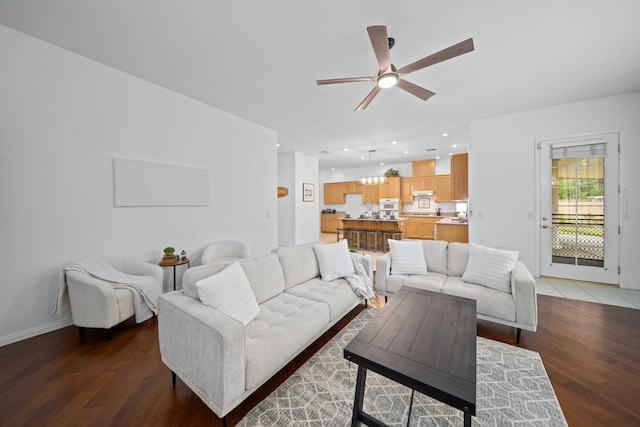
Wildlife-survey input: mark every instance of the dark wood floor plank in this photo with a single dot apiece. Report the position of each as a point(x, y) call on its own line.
point(591, 353)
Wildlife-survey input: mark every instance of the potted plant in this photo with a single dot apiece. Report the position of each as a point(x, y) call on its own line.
point(168, 251)
point(391, 173)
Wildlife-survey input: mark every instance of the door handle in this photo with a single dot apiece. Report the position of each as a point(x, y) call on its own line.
point(545, 226)
point(544, 218)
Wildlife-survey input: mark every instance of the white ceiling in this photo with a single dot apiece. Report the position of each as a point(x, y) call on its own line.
point(260, 60)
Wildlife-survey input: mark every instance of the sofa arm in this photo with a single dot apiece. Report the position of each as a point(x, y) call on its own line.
point(383, 270)
point(523, 288)
point(367, 261)
point(204, 347)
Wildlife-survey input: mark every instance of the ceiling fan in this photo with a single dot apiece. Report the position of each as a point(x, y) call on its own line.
point(389, 76)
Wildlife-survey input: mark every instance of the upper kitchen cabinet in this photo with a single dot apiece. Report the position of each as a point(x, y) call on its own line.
point(460, 176)
point(416, 183)
point(423, 168)
point(334, 193)
point(370, 193)
point(442, 188)
point(391, 189)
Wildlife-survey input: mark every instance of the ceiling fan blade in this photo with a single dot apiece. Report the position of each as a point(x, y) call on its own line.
point(416, 90)
point(369, 98)
point(448, 53)
point(346, 80)
point(380, 43)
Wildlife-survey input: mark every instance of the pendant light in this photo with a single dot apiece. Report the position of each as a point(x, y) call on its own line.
point(372, 179)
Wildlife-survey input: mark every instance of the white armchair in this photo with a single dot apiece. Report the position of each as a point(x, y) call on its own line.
point(95, 303)
point(225, 250)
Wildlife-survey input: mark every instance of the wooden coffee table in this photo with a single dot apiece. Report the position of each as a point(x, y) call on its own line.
point(423, 340)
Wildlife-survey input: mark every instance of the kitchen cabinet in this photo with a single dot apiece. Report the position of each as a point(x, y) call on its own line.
point(329, 222)
point(418, 183)
point(423, 168)
point(334, 193)
point(370, 193)
point(452, 232)
point(421, 228)
point(351, 187)
point(460, 176)
point(391, 189)
point(442, 188)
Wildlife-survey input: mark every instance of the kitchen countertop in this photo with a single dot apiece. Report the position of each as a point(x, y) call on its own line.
point(374, 219)
point(453, 221)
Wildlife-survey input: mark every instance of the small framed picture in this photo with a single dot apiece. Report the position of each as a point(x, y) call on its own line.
point(307, 192)
point(423, 202)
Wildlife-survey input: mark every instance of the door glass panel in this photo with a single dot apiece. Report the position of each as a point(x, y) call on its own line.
point(578, 211)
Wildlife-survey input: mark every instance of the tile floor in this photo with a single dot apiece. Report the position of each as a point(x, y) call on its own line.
point(563, 288)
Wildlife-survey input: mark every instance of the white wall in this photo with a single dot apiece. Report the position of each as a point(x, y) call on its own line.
point(502, 168)
point(299, 221)
point(63, 118)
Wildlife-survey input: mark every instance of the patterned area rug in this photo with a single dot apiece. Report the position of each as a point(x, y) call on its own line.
point(512, 389)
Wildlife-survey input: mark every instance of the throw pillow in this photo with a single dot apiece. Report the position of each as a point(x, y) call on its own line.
point(334, 260)
point(490, 267)
point(229, 292)
point(407, 257)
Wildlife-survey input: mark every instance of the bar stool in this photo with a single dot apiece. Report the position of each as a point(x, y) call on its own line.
point(395, 235)
point(358, 238)
point(375, 240)
point(344, 232)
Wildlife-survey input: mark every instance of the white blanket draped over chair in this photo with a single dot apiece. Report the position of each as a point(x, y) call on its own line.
point(145, 288)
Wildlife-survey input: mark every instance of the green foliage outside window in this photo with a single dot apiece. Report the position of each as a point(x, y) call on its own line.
point(571, 189)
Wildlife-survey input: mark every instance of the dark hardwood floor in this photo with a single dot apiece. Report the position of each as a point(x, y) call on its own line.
point(591, 353)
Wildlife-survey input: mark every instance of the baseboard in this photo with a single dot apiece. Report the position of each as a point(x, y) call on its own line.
point(38, 330)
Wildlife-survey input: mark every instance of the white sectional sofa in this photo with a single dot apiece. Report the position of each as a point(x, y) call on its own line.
point(503, 287)
point(224, 360)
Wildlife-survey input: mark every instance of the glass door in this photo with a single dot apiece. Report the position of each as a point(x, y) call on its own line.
point(579, 209)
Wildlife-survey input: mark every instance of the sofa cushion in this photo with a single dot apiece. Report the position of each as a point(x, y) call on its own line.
point(334, 260)
point(285, 326)
point(490, 267)
point(265, 276)
point(489, 302)
point(299, 263)
point(436, 255)
point(193, 274)
point(458, 255)
point(230, 293)
point(431, 282)
point(337, 294)
point(407, 257)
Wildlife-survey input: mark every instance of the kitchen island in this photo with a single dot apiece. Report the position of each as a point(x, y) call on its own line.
point(360, 231)
point(374, 224)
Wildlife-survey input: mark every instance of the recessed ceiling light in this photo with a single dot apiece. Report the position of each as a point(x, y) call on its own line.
point(381, 163)
point(346, 149)
point(394, 142)
point(438, 158)
point(333, 169)
point(405, 152)
point(445, 134)
point(454, 145)
point(277, 145)
point(451, 154)
point(362, 157)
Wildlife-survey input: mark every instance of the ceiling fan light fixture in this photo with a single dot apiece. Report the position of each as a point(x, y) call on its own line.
point(387, 80)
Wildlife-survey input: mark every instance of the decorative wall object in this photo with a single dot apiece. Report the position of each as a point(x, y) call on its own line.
point(424, 202)
point(282, 191)
point(307, 192)
point(138, 183)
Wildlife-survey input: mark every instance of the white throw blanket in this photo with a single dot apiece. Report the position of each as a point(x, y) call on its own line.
point(145, 289)
point(360, 282)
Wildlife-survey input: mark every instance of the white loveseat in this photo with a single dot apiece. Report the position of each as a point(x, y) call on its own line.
point(448, 270)
point(223, 360)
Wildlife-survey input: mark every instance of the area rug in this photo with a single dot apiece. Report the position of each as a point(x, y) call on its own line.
point(512, 390)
